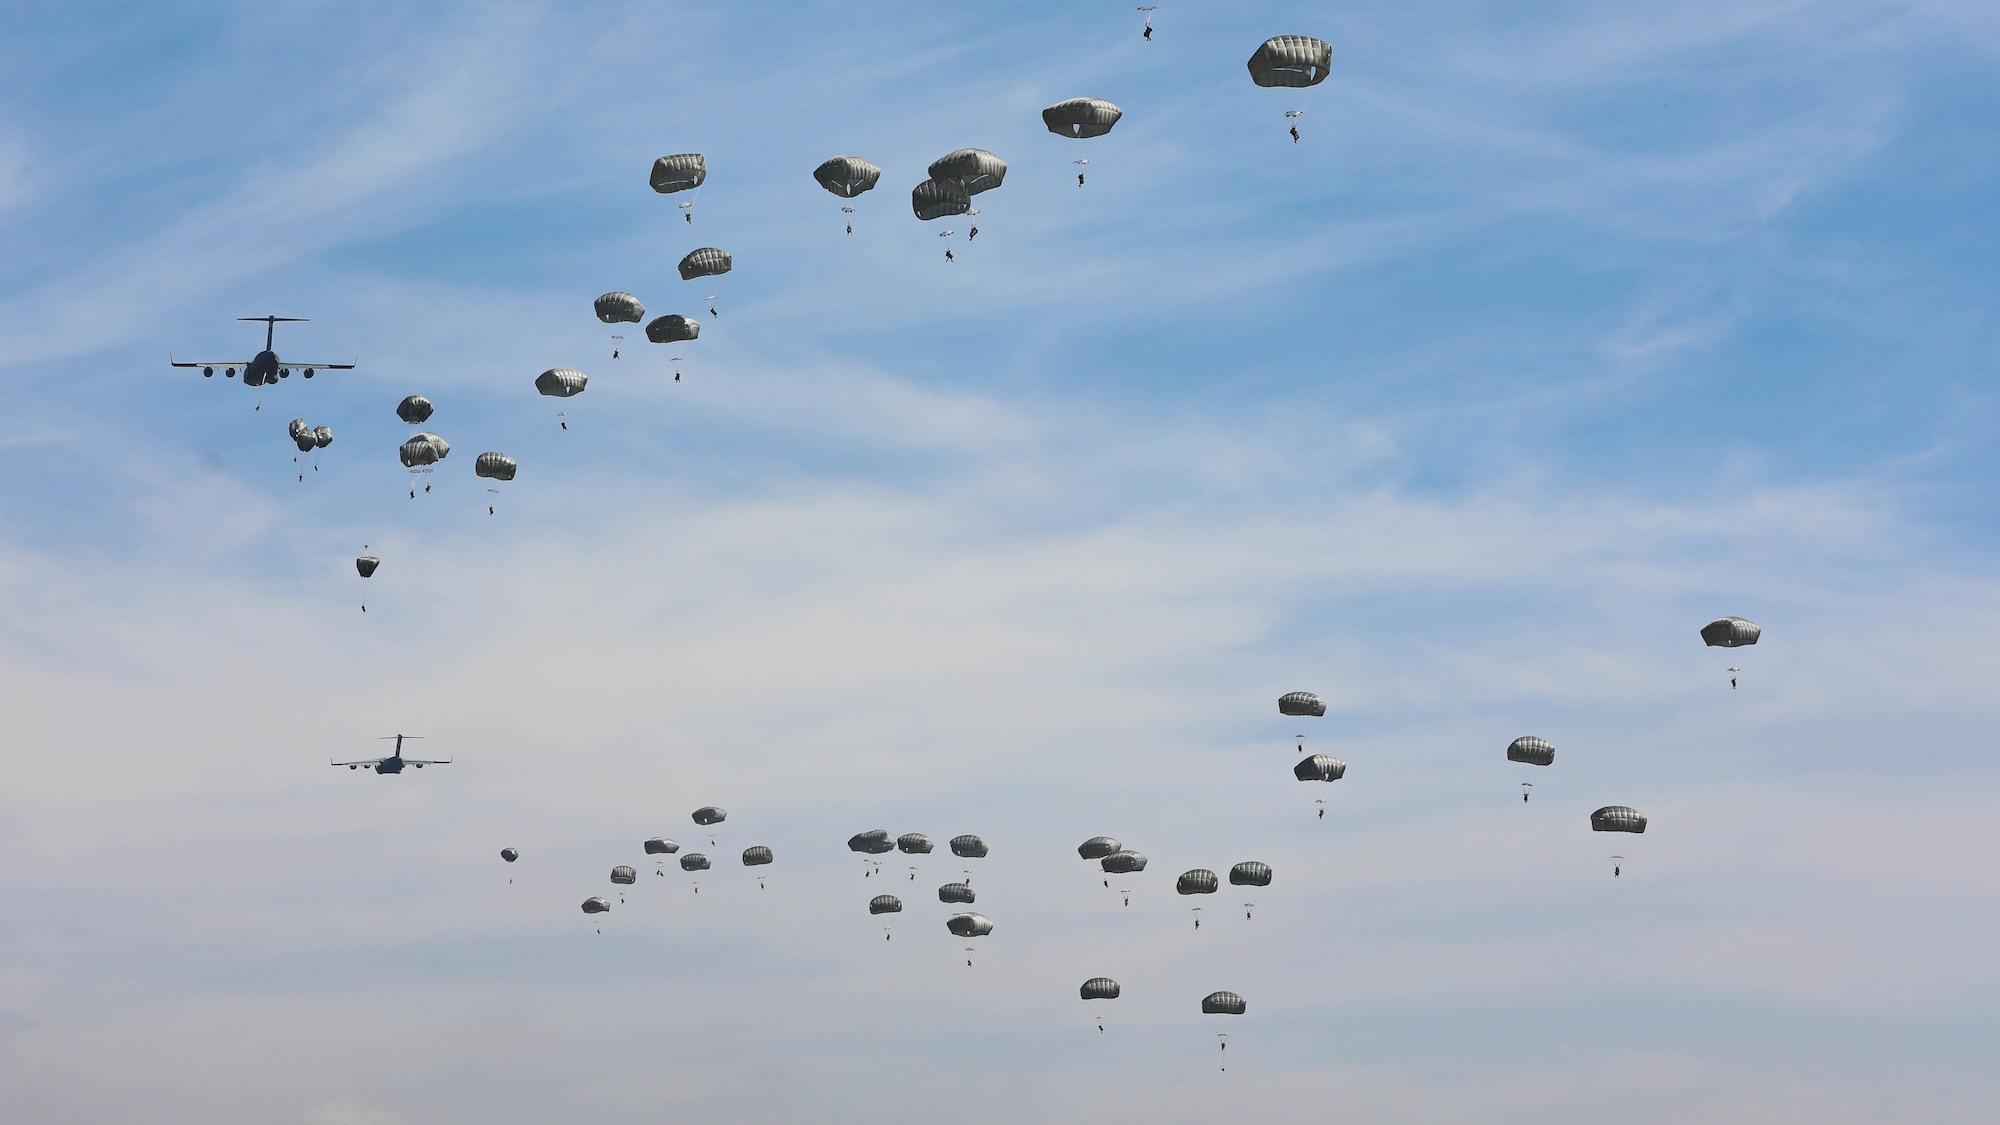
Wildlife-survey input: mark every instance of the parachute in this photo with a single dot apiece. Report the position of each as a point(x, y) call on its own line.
point(672, 329)
point(875, 841)
point(1200, 881)
point(1250, 873)
point(914, 843)
point(694, 861)
point(660, 845)
point(1099, 988)
point(1223, 1004)
point(366, 564)
point(1080, 118)
point(1123, 863)
point(322, 436)
point(624, 876)
point(1300, 703)
point(1291, 60)
point(416, 410)
point(885, 904)
point(1730, 632)
point(561, 382)
point(1320, 767)
point(1097, 847)
point(709, 814)
point(706, 262)
point(968, 847)
point(1534, 751)
point(955, 892)
point(968, 925)
point(303, 438)
point(1617, 818)
point(847, 176)
point(509, 854)
point(678, 172)
point(424, 449)
point(595, 905)
point(619, 308)
point(494, 466)
point(935, 199)
point(974, 169)
point(756, 856)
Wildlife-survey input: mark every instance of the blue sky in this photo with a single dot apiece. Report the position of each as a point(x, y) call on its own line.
point(1562, 332)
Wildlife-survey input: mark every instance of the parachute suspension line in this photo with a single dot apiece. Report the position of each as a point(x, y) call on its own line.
point(676, 361)
point(1197, 917)
point(849, 212)
point(687, 205)
point(1305, 103)
point(563, 417)
point(1246, 910)
point(614, 347)
point(968, 957)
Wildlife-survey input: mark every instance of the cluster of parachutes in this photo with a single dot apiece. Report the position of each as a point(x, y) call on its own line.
point(877, 841)
point(625, 875)
point(1528, 750)
point(309, 438)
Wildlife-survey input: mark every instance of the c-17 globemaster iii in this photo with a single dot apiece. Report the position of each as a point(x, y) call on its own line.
point(265, 366)
point(395, 762)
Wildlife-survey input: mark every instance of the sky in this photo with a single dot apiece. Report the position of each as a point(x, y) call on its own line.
point(1562, 330)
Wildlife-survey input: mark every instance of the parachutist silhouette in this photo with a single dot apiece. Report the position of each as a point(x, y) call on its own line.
point(1524, 798)
point(1295, 134)
point(413, 494)
point(1197, 922)
point(1079, 179)
point(850, 228)
point(427, 489)
point(712, 312)
point(614, 353)
point(489, 509)
point(1128, 900)
point(1147, 35)
point(688, 215)
point(947, 255)
point(565, 425)
point(972, 234)
point(1614, 871)
point(1322, 814)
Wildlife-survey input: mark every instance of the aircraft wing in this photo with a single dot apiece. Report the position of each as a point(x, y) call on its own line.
point(317, 366)
point(426, 761)
point(369, 762)
point(172, 362)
